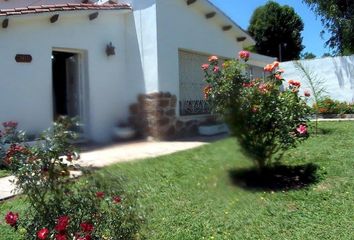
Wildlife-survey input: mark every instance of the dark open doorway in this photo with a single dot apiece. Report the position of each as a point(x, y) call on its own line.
point(66, 84)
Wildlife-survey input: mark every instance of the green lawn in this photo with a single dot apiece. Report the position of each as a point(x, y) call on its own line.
point(4, 173)
point(190, 195)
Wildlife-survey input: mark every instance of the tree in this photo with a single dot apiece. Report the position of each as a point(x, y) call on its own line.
point(337, 17)
point(326, 55)
point(308, 55)
point(277, 31)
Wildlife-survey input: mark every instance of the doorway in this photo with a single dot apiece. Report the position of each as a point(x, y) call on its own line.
point(67, 86)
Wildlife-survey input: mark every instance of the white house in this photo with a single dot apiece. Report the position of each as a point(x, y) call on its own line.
point(96, 59)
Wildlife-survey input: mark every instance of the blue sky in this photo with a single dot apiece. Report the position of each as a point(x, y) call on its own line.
point(241, 12)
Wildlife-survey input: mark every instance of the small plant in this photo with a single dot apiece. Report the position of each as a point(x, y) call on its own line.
point(59, 208)
point(316, 85)
point(265, 119)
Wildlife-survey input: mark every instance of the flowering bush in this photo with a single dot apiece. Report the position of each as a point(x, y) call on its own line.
point(329, 106)
point(59, 208)
point(10, 136)
point(265, 118)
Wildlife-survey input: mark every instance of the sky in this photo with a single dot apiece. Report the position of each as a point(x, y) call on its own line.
point(241, 12)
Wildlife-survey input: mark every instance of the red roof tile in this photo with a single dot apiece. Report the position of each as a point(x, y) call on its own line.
point(62, 7)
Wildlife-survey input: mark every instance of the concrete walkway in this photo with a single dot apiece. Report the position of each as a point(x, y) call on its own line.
point(98, 157)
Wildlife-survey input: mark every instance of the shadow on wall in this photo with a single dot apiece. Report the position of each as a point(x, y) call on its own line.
point(135, 83)
point(344, 67)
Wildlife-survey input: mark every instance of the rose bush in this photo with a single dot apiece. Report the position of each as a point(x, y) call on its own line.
point(60, 208)
point(263, 114)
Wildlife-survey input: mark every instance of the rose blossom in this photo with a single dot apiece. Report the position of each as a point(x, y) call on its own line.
point(62, 224)
point(205, 67)
point(213, 59)
point(302, 129)
point(11, 218)
point(86, 227)
point(216, 69)
point(307, 93)
point(61, 236)
point(294, 83)
point(117, 199)
point(100, 194)
point(43, 233)
point(245, 55)
point(9, 124)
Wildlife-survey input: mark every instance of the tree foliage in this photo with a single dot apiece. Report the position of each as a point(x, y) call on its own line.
point(337, 17)
point(277, 29)
point(308, 55)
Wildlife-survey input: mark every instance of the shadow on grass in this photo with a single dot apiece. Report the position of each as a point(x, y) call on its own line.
point(277, 178)
point(325, 131)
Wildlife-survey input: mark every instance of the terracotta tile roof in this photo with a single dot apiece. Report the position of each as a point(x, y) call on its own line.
point(62, 7)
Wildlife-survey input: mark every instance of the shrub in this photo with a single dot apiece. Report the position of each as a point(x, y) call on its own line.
point(264, 118)
point(8, 137)
point(330, 106)
point(59, 208)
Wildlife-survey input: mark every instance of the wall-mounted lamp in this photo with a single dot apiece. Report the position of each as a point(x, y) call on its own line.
point(5, 23)
point(110, 49)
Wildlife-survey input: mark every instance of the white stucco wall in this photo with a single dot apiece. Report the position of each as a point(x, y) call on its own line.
point(26, 88)
point(185, 27)
point(337, 73)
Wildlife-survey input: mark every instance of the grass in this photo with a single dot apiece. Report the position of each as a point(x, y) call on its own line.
point(190, 195)
point(4, 173)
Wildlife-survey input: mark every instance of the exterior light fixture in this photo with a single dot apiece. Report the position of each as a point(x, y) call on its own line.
point(110, 50)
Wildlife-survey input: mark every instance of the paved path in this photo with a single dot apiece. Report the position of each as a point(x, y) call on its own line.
point(133, 151)
point(120, 152)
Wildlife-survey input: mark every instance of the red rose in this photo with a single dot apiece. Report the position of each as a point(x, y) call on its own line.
point(86, 227)
point(9, 124)
point(61, 236)
point(307, 93)
point(43, 233)
point(11, 218)
point(117, 199)
point(69, 157)
point(62, 224)
point(100, 194)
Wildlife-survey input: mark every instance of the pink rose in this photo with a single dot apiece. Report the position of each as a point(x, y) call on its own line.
point(245, 55)
point(205, 67)
point(216, 69)
point(302, 129)
point(213, 59)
